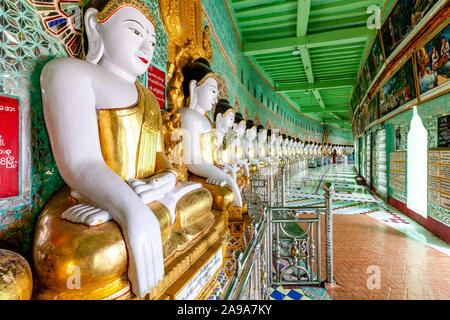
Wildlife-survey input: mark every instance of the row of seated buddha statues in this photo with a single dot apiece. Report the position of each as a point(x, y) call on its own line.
point(125, 223)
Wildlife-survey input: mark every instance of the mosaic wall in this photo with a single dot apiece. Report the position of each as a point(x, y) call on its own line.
point(428, 112)
point(28, 40)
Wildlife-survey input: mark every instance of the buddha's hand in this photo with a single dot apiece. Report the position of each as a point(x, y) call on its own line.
point(143, 239)
point(232, 170)
point(152, 189)
point(216, 182)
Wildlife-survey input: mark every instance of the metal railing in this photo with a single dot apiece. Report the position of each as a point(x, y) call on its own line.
point(296, 240)
point(286, 247)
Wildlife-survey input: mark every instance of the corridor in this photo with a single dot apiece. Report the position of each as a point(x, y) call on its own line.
point(379, 253)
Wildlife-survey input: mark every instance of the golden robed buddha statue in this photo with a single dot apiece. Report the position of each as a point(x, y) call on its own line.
point(201, 140)
point(124, 216)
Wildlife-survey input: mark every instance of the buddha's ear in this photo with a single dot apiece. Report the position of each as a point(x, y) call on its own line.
point(91, 26)
point(192, 94)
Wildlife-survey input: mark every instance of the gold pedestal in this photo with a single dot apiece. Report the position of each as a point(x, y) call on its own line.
point(97, 255)
point(16, 281)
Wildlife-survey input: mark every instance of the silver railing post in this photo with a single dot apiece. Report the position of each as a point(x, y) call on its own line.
point(328, 193)
point(283, 186)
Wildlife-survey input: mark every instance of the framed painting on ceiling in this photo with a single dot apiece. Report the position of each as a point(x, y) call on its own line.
point(433, 64)
point(398, 90)
point(402, 19)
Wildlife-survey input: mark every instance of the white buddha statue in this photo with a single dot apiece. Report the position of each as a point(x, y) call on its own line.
point(271, 144)
point(238, 144)
point(251, 143)
point(284, 147)
point(105, 131)
point(262, 145)
point(278, 147)
point(200, 141)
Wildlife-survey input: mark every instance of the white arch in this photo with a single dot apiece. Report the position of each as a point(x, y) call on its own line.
point(417, 170)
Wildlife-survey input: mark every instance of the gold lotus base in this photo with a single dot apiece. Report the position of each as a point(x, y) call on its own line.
point(98, 254)
point(16, 281)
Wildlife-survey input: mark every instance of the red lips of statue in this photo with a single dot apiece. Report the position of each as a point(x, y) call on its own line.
point(143, 60)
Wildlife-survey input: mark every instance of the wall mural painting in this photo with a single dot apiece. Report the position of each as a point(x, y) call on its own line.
point(375, 60)
point(364, 83)
point(399, 90)
point(372, 111)
point(433, 61)
point(405, 15)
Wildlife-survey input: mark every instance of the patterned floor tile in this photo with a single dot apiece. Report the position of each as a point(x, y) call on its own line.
point(379, 253)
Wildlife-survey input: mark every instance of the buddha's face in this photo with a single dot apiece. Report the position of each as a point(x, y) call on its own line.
point(207, 95)
point(250, 133)
point(239, 128)
point(225, 122)
point(129, 41)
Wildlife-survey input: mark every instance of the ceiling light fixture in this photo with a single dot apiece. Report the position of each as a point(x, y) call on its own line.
point(296, 52)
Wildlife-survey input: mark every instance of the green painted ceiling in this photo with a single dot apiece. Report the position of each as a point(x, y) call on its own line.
point(330, 38)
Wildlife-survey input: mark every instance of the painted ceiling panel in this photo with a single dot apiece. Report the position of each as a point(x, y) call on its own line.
point(311, 49)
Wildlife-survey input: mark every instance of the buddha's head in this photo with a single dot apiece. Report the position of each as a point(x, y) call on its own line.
point(224, 115)
point(240, 125)
point(250, 130)
point(120, 35)
point(200, 86)
point(262, 133)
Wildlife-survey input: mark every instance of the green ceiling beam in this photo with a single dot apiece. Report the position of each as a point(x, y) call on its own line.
point(249, 3)
point(341, 108)
point(303, 9)
point(316, 85)
point(332, 38)
point(336, 59)
point(276, 24)
point(333, 24)
point(265, 9)
point(344, 5)
point(339, 15)
point(279, 16)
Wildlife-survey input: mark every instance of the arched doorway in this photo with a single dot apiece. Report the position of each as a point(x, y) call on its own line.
point(417, 170)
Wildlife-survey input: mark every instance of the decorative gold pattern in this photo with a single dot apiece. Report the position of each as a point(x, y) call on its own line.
point(114, 5)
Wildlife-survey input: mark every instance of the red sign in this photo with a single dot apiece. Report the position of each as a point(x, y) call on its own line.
point(157, 85)
point(9, 146)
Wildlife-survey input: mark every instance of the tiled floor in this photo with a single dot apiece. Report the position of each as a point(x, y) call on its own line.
point(379, 253)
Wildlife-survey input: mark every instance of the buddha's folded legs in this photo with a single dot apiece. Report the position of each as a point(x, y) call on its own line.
point(223, 196)
point(98, 254)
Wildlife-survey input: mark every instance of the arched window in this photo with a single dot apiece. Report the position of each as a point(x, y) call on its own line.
point(417, 166)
